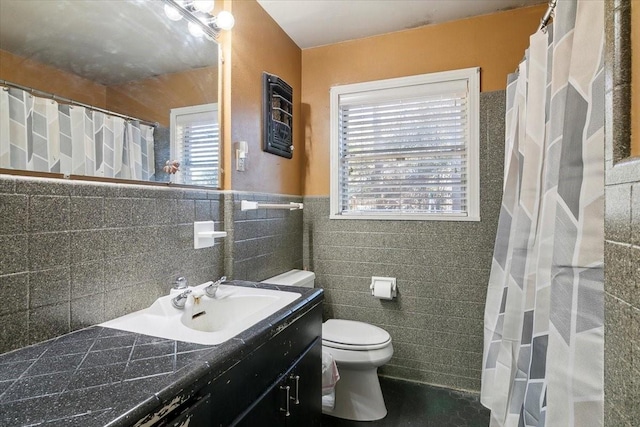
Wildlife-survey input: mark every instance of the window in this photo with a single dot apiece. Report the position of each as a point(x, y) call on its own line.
point(406, 148)
point(195, 143)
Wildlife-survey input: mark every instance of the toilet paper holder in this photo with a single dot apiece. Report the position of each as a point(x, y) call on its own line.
point(383, 287)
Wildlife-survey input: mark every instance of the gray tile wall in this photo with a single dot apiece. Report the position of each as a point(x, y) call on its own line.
point(74, 254)
point(442, 269)
point(622, 230)
point(265, 242)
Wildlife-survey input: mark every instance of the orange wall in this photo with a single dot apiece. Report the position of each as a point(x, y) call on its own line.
point(258, 44)
point(635, 78)
point(151, 99)
point(36, 75)
point(496, 43)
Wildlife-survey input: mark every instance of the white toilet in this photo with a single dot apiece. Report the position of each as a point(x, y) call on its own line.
point(358, 349)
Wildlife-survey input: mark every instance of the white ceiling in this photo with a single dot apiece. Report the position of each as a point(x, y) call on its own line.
point(312, 23)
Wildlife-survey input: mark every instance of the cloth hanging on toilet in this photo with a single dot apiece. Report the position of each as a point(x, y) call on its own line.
point(330, 374)
point(330, 377)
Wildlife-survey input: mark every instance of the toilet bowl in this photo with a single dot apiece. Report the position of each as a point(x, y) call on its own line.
point(358, 349)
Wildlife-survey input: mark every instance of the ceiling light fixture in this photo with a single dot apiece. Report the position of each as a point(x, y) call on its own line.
point(172, 13)
point(197, 13)
point(195, 29)
point(224, 20)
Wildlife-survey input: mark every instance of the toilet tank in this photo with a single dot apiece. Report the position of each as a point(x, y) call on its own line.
point(301, 278)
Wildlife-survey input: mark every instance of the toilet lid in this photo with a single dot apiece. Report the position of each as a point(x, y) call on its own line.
point(348, 333)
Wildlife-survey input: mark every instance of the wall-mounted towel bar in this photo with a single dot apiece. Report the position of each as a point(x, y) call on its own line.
point(246, 205)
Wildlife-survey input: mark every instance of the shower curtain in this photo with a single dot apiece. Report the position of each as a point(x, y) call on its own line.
point(543, 339)
point(40, 134)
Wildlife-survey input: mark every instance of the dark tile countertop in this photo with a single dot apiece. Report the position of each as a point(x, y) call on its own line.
point(106, 377)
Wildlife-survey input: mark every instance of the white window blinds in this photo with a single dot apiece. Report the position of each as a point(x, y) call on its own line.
point(196, 144)
point(404, 151)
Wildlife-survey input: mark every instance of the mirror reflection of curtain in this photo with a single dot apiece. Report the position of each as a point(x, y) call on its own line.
point(40, 134)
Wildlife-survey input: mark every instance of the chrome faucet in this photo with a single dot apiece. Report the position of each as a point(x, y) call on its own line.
point(213, 288)
point(180, 283)
point(180, 300)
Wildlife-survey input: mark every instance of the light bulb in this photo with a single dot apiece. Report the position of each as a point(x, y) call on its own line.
point(225, 20)
point(204, 6)
point(172, 13)
point(195, 30)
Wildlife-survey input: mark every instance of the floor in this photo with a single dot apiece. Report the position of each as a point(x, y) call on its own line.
point(419, 405)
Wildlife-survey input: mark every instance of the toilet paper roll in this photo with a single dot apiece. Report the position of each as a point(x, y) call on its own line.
point(383, 290)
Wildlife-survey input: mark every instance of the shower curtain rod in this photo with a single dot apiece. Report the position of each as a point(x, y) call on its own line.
point(547, 15)
point(55, 97)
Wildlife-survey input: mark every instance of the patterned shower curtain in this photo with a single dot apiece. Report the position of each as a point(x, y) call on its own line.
point(39, 134)
point(543, 340)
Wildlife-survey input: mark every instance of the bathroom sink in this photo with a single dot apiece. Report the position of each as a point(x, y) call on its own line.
point(205, 320)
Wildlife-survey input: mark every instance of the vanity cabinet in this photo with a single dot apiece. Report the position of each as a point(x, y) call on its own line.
point(291, 400)
point(173, 383)
point(254, 391)
point(198, 414)
point(308, 411)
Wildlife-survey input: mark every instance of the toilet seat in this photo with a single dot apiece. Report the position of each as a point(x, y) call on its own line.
point(352, 347)
point(353, 335)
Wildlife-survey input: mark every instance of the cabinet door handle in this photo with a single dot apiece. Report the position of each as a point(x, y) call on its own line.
point(297, 379)
point(286, 411)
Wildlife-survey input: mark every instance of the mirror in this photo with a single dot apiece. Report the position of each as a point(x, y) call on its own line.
point(124, 57)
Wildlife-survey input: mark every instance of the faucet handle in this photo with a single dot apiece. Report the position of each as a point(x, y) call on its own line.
point(180, 283)
point(180, 300)
point(213, 288)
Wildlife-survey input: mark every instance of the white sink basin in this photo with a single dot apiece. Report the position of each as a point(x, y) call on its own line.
point(205, 320)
